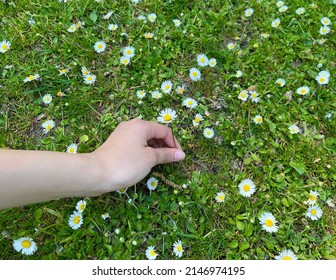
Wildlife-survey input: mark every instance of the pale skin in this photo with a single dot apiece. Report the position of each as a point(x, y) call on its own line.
point(124, 159)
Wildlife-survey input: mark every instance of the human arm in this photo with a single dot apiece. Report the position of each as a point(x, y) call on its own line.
point(124, 159)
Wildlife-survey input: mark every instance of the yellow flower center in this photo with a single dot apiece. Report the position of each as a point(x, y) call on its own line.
point(313, 212)
point(202, 59)
point(276, 23)
point(197, 120)
point(312, 197)
point(221, 197)
point(59, 94)
point(179, 248)
point(269, 223)
point(26, 244)
point(72, 150)
point(89, 78)
point(287, 258)
point(128, 51)
point(153, 184)
point(254, 95)
point(82, 207)
point(322, 79)
point(208, 132)
point(48, 127)
point(243, 95)
point(72, 28)
point(293, 130)
point(125, 61)
point(246, 188)
point(167, 117)
point(4, 47)
point(259, 119)
point(76, 220)
point(85, 72)
point(194, 74)
point(31, 77)
point(148, 36)
point(190, 102)
point(303, 91)
point(152, 253)
point(167, 87)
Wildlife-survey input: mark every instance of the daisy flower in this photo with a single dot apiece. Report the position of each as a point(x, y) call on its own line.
point(314, 212)
point(325, 21)
point(99, 46)
point(264, 35)
point(258, 119)
point(117, 231)
point(254, 96)
point(231, 46)
point(202, 60)
point(141, 17)
point(90, 79)
point(72, 148)
point(75, 220)
point(128, 51)
point(294, 129)
point(212, 62)
point(47, 98)
point(220, 197)
point(312, 197)
point(243, 95)
point(178, 248)
point(151, 17)
point(268, 222)
point(31, 21)
point(48, 125)
point(166, 86)
point(85, 71)
point(239, 73)
point(286, 255)
point(330, 203)
point(105, 216)
point(112, 27)
point(80, 206)
point(177, 22)
point(208, 133)
point(140, 94)
point(190, 103)
point(280, 82)
point(60, 94)
point(246, 188)
point(324, 73)
point(63, 71)
point(276, 23)
point(322, 79)
point(283, 9)
point(25, 245)
point(152, 183)
point(167, 115)
point(197, 119)
point(150, 253)
point(125, 60)
point(149, 35)
point(300, 11)
point(249, 12)
point(156, 94)
point(194, 74)
point(4, 46)
point(280, 3)
point(324, 29)
point(303, 90)
point(72, 28)
point(31, 78)
point(181, 89)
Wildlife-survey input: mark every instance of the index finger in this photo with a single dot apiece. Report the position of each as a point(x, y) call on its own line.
point(158, 131)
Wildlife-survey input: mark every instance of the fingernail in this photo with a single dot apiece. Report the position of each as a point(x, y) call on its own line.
point(179, 155)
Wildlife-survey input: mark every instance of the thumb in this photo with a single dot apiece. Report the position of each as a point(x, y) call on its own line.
point(167, 155)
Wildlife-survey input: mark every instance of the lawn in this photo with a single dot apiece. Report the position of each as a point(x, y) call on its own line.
point(252, 87)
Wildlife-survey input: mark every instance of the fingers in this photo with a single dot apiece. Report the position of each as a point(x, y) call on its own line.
point(167, 155)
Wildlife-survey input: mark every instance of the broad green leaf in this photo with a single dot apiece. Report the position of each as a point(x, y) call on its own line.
point(299, 167)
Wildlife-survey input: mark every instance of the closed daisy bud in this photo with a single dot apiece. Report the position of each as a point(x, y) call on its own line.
point(25, 245)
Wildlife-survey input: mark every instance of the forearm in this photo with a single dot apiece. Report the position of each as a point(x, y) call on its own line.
point(35, 176)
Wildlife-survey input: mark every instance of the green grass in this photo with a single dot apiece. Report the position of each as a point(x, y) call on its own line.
point(284, 167)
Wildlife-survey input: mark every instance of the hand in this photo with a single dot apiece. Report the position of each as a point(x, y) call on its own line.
point(132, 150)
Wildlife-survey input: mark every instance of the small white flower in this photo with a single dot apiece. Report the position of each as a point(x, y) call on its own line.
point(197, 119)
point(141, 94)
point(268, 222)
point(72, 148)
point(294, 129)
point(208, 133)
point(258, 119)
point(181, 89)
point(48, 125)
point(80, 206)
point(99, 46)
point(76, 220)
point(322, 79)
point(151, 17)
point(220, 197)
point(280, 3)
point(141, 17)
point(276, 23)
point(283, 9)
point(63, 71)
point(303, 90)
point(150, 253)
point(325, 21)
point(31, 21)
point(112, 27)
point(125, 60)
point(85, 71)
point(90, 79)
point(149, 35)
point(314, 212)
point(330, 203)
point(47, 98)
point(190, 103)
point(166, 86)
point(194, 74)
point(105, 216)
point(324, 29)
point(254, 96)
point(25, 245)
point(156, 94)
point(4, 46)
point(128, 51)
point(300, 11)
point(202, 60)
point(249, 12)
point(281, 82)
point(231, 46)
point(239, 73)
point(178, 248)
point(313, 197)
point(246, 188)
point(72, 28)
point(177, 22)
point(286, 255)
point(152, 183)
point(167, 115)
point(212, 62)
point(243, 95)
point(324, 73)
point(31, 78)
point(117, 231)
